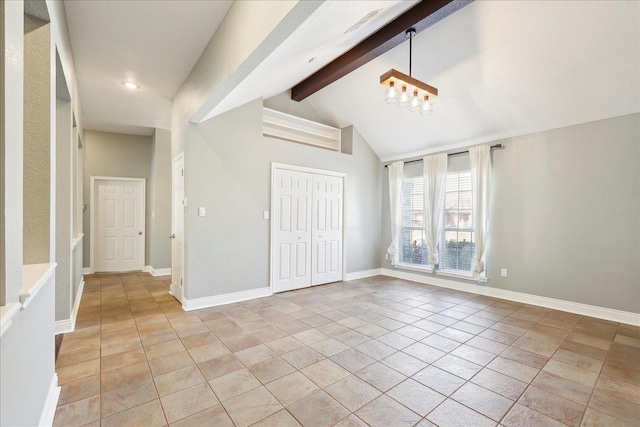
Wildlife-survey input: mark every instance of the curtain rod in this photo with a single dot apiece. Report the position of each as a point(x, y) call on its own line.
point(450, 154)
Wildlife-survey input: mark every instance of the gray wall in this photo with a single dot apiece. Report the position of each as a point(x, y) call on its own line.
point(119, 155)
point(160, 250)
point(566, 214)
point(228, 171)
point(37, 142)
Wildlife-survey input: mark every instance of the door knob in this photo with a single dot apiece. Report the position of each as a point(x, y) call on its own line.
point(140, 233)
point(173, 236)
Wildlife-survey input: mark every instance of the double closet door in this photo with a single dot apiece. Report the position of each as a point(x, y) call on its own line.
point(306, 246)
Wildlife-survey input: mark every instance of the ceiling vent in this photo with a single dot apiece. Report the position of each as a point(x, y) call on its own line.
point(364, 20)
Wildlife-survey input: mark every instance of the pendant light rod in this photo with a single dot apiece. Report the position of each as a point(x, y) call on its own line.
point(410, 33)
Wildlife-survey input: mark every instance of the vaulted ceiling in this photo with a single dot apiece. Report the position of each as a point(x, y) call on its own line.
point(503, 68)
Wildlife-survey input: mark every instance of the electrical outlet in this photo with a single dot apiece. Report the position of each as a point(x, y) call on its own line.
point(202, 211)
point(503, 272)
point(265, 215)
point(386, 256)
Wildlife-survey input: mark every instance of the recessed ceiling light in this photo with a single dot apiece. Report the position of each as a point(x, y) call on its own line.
point(131, 85)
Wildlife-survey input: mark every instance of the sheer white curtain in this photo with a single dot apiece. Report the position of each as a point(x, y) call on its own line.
point(435, 178)
point(481, 189)
point(396, 173)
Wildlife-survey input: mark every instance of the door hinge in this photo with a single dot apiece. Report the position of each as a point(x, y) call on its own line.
point(181, 282)
point(182, 172)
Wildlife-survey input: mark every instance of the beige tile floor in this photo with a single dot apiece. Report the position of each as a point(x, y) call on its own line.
point(378, 351)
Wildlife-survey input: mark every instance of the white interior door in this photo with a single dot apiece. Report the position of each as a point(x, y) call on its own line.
point(326, 220)
point(119, 225)
point(177, 236)
point(291, 245)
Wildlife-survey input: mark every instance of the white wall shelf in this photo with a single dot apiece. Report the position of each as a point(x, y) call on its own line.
point(291, 128)
point(34, 276)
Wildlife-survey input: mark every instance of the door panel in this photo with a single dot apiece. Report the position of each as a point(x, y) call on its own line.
point(292, 233)
point(120, 225)
point(327, 229)
point(177, 226)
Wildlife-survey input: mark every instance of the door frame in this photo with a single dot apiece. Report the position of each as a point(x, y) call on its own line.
point(288, 167)
point(92, 214)
point(173, 196)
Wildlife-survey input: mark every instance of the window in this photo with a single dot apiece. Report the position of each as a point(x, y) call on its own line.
point(414, 248)
point(457, 247)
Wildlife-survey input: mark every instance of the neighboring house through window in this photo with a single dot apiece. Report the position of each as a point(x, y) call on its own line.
point(414, 249)
point(457, 246)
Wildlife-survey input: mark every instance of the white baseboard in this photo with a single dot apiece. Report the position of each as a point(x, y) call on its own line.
point(556, 304)
point(49, 410)
point(157, 271)
point(69, 325)
point(86, 270)
point(161, 271)
point(363, 274)
point(198, 303)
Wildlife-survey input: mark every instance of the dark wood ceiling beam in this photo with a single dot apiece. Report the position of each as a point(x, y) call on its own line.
point(421, 16)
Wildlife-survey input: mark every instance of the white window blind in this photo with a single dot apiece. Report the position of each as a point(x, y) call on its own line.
point(414, 247)
point(457, 247)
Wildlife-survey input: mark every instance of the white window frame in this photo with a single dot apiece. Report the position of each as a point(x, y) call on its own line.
point(425, 268)
point(458, 274)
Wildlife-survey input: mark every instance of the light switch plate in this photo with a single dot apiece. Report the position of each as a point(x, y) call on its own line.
point(202, 211)
point(503, 272)
point(265, 215)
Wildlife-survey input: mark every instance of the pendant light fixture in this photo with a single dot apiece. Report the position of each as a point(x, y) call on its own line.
point(406, 91)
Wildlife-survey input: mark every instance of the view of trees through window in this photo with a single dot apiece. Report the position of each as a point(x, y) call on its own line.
point(414, 248)
point(457, 247)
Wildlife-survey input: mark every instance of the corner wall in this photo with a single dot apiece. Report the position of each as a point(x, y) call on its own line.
point(160, 250)
point(228, 171)
point(566, 214)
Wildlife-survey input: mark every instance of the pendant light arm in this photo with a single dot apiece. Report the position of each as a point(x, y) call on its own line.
point(410, 33)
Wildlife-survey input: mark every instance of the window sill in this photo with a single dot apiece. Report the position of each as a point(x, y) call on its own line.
point(460, 275)
point(414, 268)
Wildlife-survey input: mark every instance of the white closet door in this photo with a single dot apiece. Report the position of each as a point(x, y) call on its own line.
point(327, 229)
point(292, 230)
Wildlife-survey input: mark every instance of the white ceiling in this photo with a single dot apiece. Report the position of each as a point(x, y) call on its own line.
point(154, 43)
point(502, 69)
point(322, 36)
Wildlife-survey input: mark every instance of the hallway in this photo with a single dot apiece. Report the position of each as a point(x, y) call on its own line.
point(380, 350)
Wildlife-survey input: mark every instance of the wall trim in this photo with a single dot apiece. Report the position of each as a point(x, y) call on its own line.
point(363, 274)
point(86, 270)
point(553, 303)
point(50, 405)
point(157, 271)
point(212, 301)
point(69, 325)
point(34, 277)
point(7, 313)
